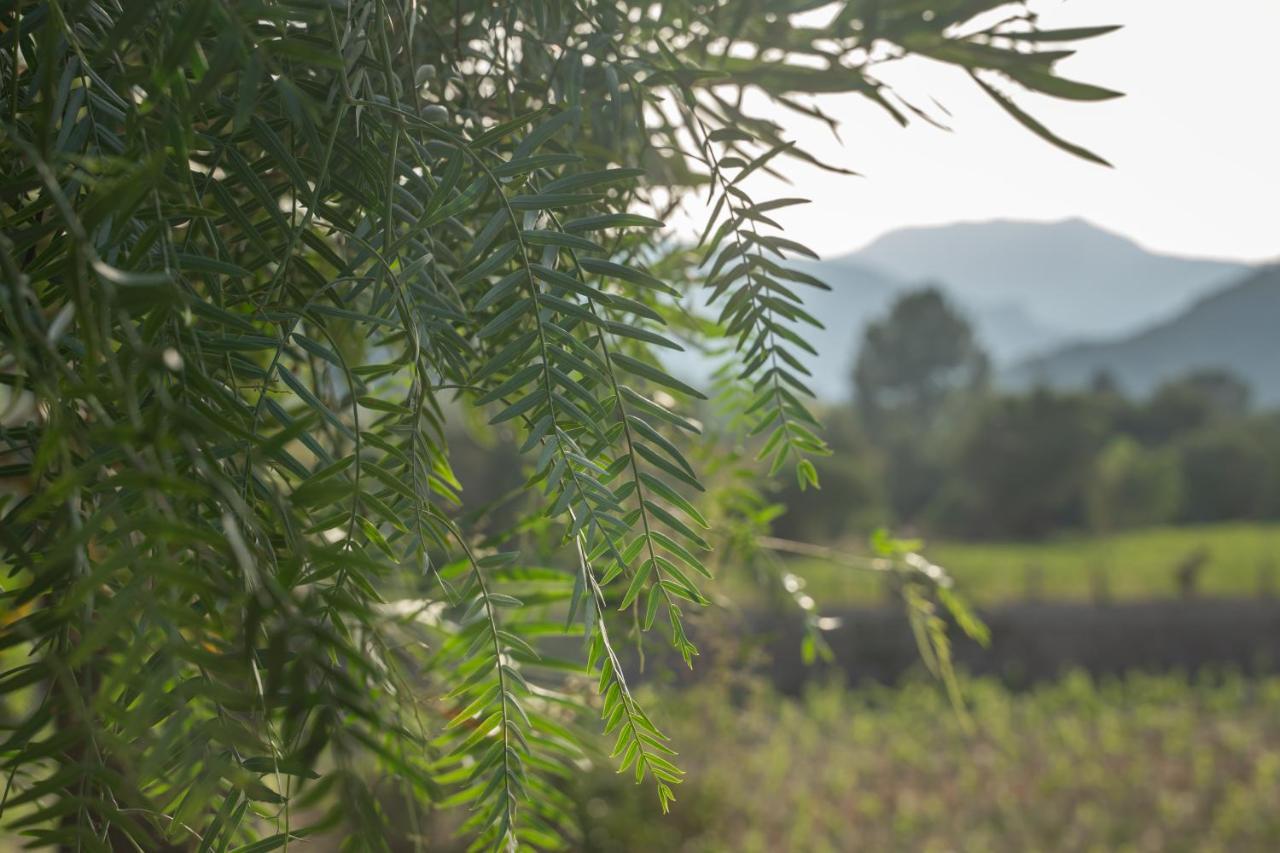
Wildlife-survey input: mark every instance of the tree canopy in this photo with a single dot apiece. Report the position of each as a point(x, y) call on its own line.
point(914, 361)
point(255, 257)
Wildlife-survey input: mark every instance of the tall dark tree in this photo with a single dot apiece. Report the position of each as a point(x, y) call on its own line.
point(914, 362)
point(918, 367)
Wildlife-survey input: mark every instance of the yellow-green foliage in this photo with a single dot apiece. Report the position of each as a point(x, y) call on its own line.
point(1150, 763)
point(1239, 559)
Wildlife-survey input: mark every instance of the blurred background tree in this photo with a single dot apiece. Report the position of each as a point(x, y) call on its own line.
point(1133, 487)
point(913, 364)
point(918, 374)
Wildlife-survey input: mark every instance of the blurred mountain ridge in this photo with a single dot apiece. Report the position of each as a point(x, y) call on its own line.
point(1070, 275)
point(1028, 288)
point(1236, 328)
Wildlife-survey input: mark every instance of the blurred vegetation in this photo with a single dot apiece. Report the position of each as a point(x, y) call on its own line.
point(1238, 558)
point(1144, 764)
point(933, 449)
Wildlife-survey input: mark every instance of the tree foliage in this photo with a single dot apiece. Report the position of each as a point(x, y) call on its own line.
point(1024, 468)
point(1132, 487)
point(919, 373)
point(1041, 462)
point(915, 361)
point(256, 256)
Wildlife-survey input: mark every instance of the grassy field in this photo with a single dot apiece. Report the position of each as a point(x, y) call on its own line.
point(1239, 559)
point(1148, 764)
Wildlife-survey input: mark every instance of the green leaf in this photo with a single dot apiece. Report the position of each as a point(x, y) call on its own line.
point(1036, 127)
point(654, 374)
point(637, 584)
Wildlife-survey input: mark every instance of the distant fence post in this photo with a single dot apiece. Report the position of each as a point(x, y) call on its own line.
point(1100, 585)
point(1189, 570)
point(1267, 578)
point(1033, 581)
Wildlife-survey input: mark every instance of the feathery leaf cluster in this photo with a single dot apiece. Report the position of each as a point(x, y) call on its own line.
point(254, 258)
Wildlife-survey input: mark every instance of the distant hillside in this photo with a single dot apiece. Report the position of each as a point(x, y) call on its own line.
point(1026, 287)
point(865, 291)
point(1070, 276)
point(860, 294)
point(1237, 328)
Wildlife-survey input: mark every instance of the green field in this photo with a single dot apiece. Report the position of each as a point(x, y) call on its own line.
point(1147, 764)
point(1240, 559)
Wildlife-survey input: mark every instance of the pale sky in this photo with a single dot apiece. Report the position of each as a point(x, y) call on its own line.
point(1195, 143)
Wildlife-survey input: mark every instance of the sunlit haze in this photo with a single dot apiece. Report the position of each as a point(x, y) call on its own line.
point(1194, 142)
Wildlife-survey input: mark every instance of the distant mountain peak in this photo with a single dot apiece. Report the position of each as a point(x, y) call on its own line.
point(1056, 235)
point(1070, 274)
point(1027, 287)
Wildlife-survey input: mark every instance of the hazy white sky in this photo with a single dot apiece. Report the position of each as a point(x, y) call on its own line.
point(1196, 142)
